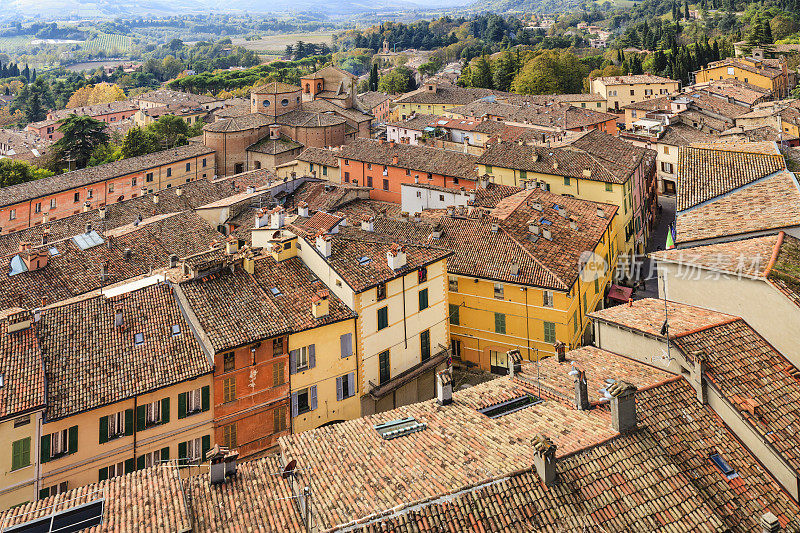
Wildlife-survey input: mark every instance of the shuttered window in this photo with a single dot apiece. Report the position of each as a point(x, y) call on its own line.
point(345, 386)
point(383, 318)
point(499, 323)
point(21, 453)
point(346, 343)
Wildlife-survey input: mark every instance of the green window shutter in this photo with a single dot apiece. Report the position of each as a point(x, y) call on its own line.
point(73, 440)
point(205, 394)
point(454, 319)
point(383, 317)
point(182, 452)
point(205, 445)
point(140, 414)
point(165, 453)
point(129, 421)
point(44, 449)
point(130, 465)
point(182, 405)
point(499, 323)
point(103, 429)
point(103, 474)
point(423, 299)
point(140, 462)
point(44, 493)
point(165, 411)
point(21, 453)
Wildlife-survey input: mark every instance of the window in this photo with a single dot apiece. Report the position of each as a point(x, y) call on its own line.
point(488, 169)
point(723, 466)
point(152, 413)
point(509, 406)
point(285, 102)
point(500, 323)
point(52, 203)
point(228, 361)
point(633, 93)
point(302, 359)
point(369, 181)
point(347, 177)
point(596, 286)
point(193, 452)
point(324, 170)
point(12, 215)
point(133, 182)
point(498, 291)
point(425, 345)
point(399, 428)
point(575, 322)
point(228, 389)
point(113, 470)
point(369, 166)
point(547, 298)
point(193, 401)
point(452, 283)
point(59, 443)
point(138, 339)
point(38, 207)
point(21, 453)
point(149, 177)
point(383, 318)
point(113, 426)
point(384, 370)
point(566, 180)
point(422, 275)
point(423, 299)
point(381, 291)
point(77, 197)
point(176, 330)
point(584, 303)
point(279, 422)
point(229, 436)
point(347, 162)
point(169, 172)
point(666, 150)
point(346, 345)
point(549, 332)
point(498, 362)
point(302, 401)
point(53, 491)
point(204, 162)
point(609, 187)
point(385, 185)
point(278, 371)
point(345, 386)
point(666, 167)
point(454, 317)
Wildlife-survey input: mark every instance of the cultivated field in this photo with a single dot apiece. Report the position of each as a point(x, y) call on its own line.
point(276, 44)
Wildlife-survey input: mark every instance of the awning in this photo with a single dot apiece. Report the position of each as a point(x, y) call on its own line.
point(619, 293)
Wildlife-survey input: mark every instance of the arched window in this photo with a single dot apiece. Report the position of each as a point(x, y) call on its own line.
point(308, 88)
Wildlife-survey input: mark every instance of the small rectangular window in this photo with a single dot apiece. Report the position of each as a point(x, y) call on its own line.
point(77, 197)
point(384, 369)
point(547, 298)
point(385, 185)
point(452, 283)
point(278, 371)
point(425, 345)
point(176, 330)
point(383, 318)
point(229, 389)
point(500, 323)
point(499, 291)
point(381, 291)
point(138, 339)
point(229, 436)
point(423, 299)
point(609, 187)
point(277, 347)
point(188, 167)
point(169, 172)
point(549, 332)
point(454, 317)
point(228, 361)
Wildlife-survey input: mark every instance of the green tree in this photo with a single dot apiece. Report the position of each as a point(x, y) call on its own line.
point(105, 153)
point(14, 172)
point(550, 72)
point(399, 80)
point(482, 74)
point(34, 111)
point(171, 130)
point(81, 136)
point(138, 141)
point(504, 70)
point(373, 77)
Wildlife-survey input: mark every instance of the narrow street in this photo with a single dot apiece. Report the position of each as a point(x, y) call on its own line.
point(658, 240)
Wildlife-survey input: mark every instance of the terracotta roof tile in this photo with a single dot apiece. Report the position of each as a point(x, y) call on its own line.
point(22, 370)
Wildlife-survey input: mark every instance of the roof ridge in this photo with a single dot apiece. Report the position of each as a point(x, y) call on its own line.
point(775, 250)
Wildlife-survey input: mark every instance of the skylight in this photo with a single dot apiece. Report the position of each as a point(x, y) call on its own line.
point(84, 241)
point(398, 428)
point(138, 339)
point(363, 261)
point(723, 466)
point(75, 518)
point(17, 266)
point(545, 221)
point(509, 406)
point(53, 251)
point(176, 330)
point(275, 291)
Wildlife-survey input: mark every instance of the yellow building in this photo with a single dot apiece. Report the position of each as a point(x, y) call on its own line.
point(400, 295)
point(771, 74)
point(127, 386)
point(191, 115)
point(435, 99)
point(620, 91)
point(595, 167)
point(315, 162)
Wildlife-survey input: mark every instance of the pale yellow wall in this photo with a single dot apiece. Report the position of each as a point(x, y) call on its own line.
point(18, 486)
point(722, 73)
point(82, 467)
point(620, 95)
point(329, 366)
point(406, 110)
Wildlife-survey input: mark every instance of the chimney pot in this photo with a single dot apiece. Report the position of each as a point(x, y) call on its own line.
point(444, 386)
point(561, 351)
point(396, 256)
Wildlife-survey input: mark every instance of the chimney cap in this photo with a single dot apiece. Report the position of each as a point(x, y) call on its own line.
point(543, 445)
point(621, 388)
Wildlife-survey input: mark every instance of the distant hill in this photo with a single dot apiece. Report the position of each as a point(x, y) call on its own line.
point(527, 6)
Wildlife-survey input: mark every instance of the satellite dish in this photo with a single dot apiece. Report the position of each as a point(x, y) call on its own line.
point(288, 470)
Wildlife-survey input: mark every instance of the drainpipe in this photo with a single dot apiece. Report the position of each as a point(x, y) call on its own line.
point(405, 331)
point(135, 428)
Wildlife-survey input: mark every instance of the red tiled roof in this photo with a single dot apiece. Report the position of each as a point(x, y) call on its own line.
point(22, 371)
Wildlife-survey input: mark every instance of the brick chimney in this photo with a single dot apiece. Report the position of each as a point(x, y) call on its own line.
point(581, 388)
point(118, 317)
point(561, 351)
point(444, 386)
point(544, 459)
point(623, 406)
point(514, 361)
point(696, 375)
point(231, 245)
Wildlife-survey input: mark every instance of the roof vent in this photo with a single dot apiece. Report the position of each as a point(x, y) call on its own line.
point(623, 406)
point(537, 206)
point(102, 212)
point(547, 234)
point(179, 191)
point(573, 223)
point(155, 198)
point(533, 227)
point(587, 173)
point(769, 523)
point(222, 463)
point(399, 428)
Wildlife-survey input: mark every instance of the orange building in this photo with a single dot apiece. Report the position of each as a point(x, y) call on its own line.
point(385, 166)
point(109, 113)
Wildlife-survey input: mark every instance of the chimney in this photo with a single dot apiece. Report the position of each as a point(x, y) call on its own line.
point(514, 361)
point(262, 219)
point(118, 320)
point(104, 271)
point(251, 189)
point(179, 191)
point(102, 212)
point(87, 206)
point(573, 223)
point(444, 386)
point(544, 459)
point(144, 191)
point(600, 212)
point(173, 260)
point(126, 254)
point(155, 198)
point(623, 406)
point(302, 209)
point(274, 131)
point(231, 245)
point(320, 304)
point(697, 373)
point(88, 227)
point(537, 206)
point(396, 256)
point(416, 178)
point(222, 463)
point(587, 172)
point(547, 234)
point(45, 236)
point(368, 223)
point(769, 523)
point(561, 351)
point(276, 217)
point(495, 227)
point(323, 243)
point(395, 159)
